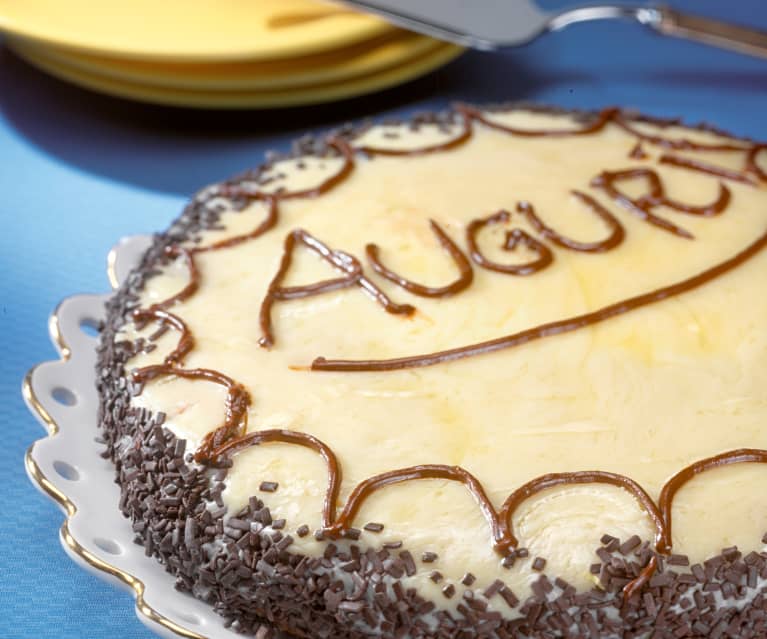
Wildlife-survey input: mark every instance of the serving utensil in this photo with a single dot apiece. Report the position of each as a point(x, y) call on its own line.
point(497, 24)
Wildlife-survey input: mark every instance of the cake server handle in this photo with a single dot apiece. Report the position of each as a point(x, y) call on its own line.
point(668, 21)
point(496, 24)
point(721, 34)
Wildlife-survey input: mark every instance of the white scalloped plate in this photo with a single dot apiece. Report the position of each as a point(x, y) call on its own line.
point(67, 467)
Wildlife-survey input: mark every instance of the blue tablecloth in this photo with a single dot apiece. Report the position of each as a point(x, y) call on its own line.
point(78, 171)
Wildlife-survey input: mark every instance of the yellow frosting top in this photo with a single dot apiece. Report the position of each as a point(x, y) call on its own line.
point(643, 394)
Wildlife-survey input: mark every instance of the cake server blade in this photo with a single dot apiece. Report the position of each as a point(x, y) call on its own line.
point(497, 24)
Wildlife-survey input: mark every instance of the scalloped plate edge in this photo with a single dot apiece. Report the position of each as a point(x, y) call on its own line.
point(76, 350)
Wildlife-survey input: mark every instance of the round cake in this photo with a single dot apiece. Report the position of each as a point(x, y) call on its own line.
point(457, 377)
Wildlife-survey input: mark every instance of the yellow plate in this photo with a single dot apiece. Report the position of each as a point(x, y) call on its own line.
point(190, 30)
point(376, 55)
point(313, 94)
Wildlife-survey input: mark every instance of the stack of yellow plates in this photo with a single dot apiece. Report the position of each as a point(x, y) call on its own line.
point(218, 53)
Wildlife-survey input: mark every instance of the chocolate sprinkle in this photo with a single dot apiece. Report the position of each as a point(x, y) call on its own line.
point(351, 533)
point(468, 579)
point(509, 597)
point(493, 589)
point(409, 562)
point(678, 560)
point(630, 544)
point(268, 486)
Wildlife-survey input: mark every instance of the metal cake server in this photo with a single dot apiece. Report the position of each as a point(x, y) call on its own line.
point(496, 24)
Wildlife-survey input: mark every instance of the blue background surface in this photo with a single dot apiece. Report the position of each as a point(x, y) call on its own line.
point(79, 170)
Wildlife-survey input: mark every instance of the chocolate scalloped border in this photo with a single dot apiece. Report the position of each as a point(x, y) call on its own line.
point(245, 569)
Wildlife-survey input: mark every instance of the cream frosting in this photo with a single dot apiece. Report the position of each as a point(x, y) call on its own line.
point(643, 395)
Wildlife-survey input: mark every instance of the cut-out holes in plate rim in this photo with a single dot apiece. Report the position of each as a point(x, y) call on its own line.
point(64, 396)
point(65, 470)
point(108, 546)
point(90, 326)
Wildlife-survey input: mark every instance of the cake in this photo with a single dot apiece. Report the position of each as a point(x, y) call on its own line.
point(452, 377)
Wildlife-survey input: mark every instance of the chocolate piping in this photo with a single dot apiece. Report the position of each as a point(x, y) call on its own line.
point(274, 292)
point(464, 279)
point(237, 404)
point(503, 539)
point(672, 486)
point(637, 152)
point(452, 143)
point(340, 145)
point(599, 122)
point(670, 143)
point(156, 310)
point(703, 167)
point(544, 482)
point(188, 255)
point(340, 260)
point(751, 163)
point(348, 154)
point(219, 444)
point(379, 296)
point(634, 586)
point(552, 480)
point(549, 329)
point(642, 206)
point(194, 277)
point(235, 446)
point(186, 340)
point(268, 223)
point(514, 237)
point(615, 116)
point(615, 238)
